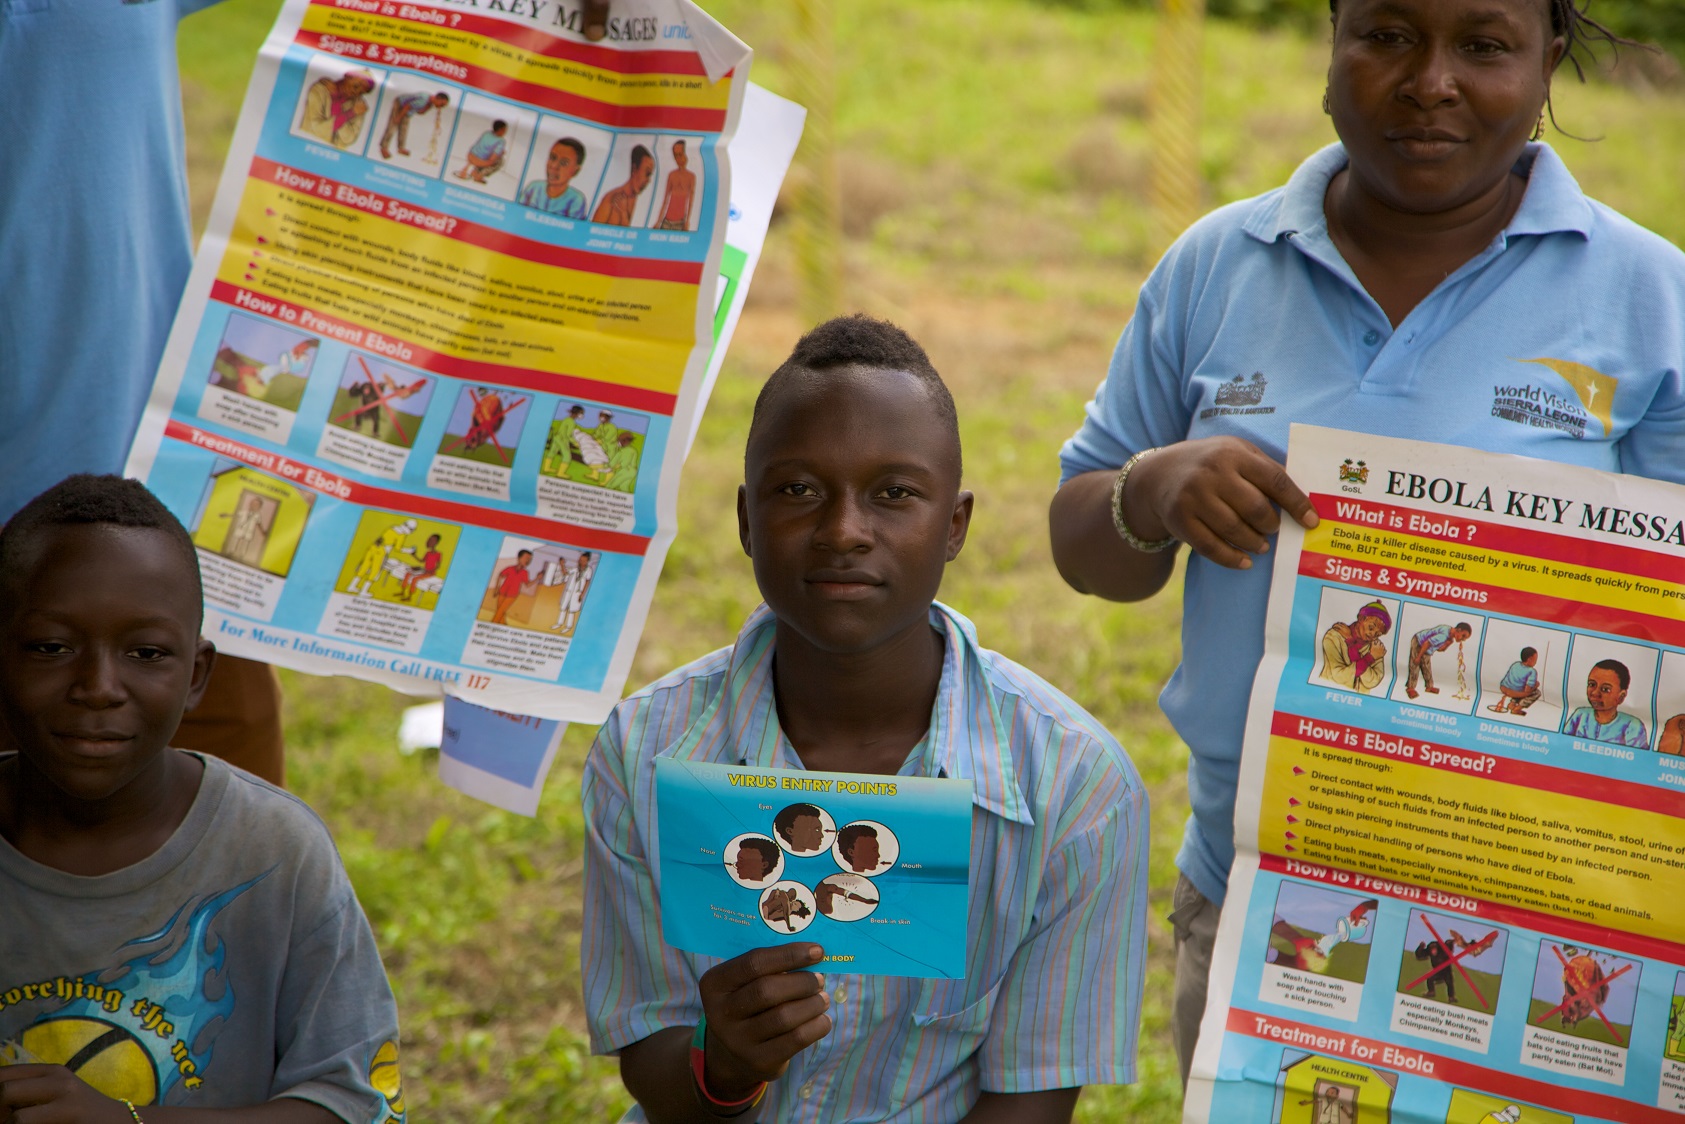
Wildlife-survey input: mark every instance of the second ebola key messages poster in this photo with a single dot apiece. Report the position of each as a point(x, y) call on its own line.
point(425, 407)
point(1461, 847)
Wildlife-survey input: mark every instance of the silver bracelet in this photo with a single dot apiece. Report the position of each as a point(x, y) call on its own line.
point(1122, 525)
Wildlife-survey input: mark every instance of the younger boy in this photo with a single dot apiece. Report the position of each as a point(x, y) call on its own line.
point(850, 509)
point(1519, 688)
point(178, 937)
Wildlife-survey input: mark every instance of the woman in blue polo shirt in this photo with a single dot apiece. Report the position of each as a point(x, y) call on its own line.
point(1436, 275)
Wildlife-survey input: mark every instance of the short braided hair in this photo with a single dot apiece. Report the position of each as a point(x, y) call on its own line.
point(86, 499)
point(859, 341)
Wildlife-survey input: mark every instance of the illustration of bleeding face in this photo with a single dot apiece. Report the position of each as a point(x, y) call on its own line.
point(863, 855)
point(1603, 690)
point(751, 864)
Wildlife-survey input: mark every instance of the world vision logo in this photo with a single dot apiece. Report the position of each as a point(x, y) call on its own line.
point(1593, 396)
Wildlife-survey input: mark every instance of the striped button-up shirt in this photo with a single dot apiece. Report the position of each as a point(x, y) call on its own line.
point(1055, 955)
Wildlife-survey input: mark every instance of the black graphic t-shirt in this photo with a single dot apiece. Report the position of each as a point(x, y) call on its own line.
point(230, 967)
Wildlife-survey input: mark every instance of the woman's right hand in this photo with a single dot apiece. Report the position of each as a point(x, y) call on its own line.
point(1221, 495)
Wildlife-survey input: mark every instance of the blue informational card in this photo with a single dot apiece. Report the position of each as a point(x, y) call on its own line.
point(873, 869)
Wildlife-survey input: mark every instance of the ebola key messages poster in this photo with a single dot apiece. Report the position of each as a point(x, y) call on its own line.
point(425, 406)
point(1460, 824)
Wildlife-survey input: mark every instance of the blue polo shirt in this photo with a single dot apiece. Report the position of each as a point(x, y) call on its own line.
point(1563, 339)
point(94, 236)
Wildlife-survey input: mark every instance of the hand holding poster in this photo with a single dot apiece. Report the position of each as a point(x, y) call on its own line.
point(874, 869)
point(425, 406)
point(1460, 817)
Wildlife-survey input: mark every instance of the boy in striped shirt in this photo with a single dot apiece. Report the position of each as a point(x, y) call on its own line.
point(850, 509)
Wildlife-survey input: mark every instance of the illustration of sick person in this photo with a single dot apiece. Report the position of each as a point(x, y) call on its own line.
point(334, 111)
point(784, 906)
point(801, 827)
point(616, 207)
point(1509, 1114)
point(485, 156)
point(1671, 738)
point(1602, 721)
point(430, 559)
point(858, 844)
point(1352, 654)
point(373, 562)
point(1423, 645)
point(1519, 687)
point(512, 581)
point(246, 526)
point(679, 199)
point(623, 466)
point(1330, 1109)
point(398, 119)
point(558, 454)
point(554, 194)
point(756, 859)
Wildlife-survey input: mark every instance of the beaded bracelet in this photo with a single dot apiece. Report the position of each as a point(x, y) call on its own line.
point(133, 1111)
point(1122, 525)
point(698, 1069)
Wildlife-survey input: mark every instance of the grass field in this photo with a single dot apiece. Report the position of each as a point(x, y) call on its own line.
point(993, 161)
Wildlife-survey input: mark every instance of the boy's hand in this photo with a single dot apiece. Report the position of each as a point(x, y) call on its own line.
point(51, 1094)
point(762, 1011)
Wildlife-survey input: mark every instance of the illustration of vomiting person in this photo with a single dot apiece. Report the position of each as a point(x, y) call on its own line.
point(1352, 654)
point(574, 585)
point(1519, 688)
point(373, 563)
point(399, 116)
point(334, 111)
point(858, 844)
point(485, 156)
point(1423, 645)
point(555, 193)
point(616, 207)
point(1602, 721)
point(756, 859)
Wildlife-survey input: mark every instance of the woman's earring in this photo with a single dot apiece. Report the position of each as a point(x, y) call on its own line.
point(1325, 107)
point(1539, 129)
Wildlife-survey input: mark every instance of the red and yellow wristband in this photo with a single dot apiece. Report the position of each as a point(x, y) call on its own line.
point(699, 1083)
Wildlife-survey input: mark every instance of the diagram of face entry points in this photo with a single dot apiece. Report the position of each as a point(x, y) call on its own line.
point(787, 867)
